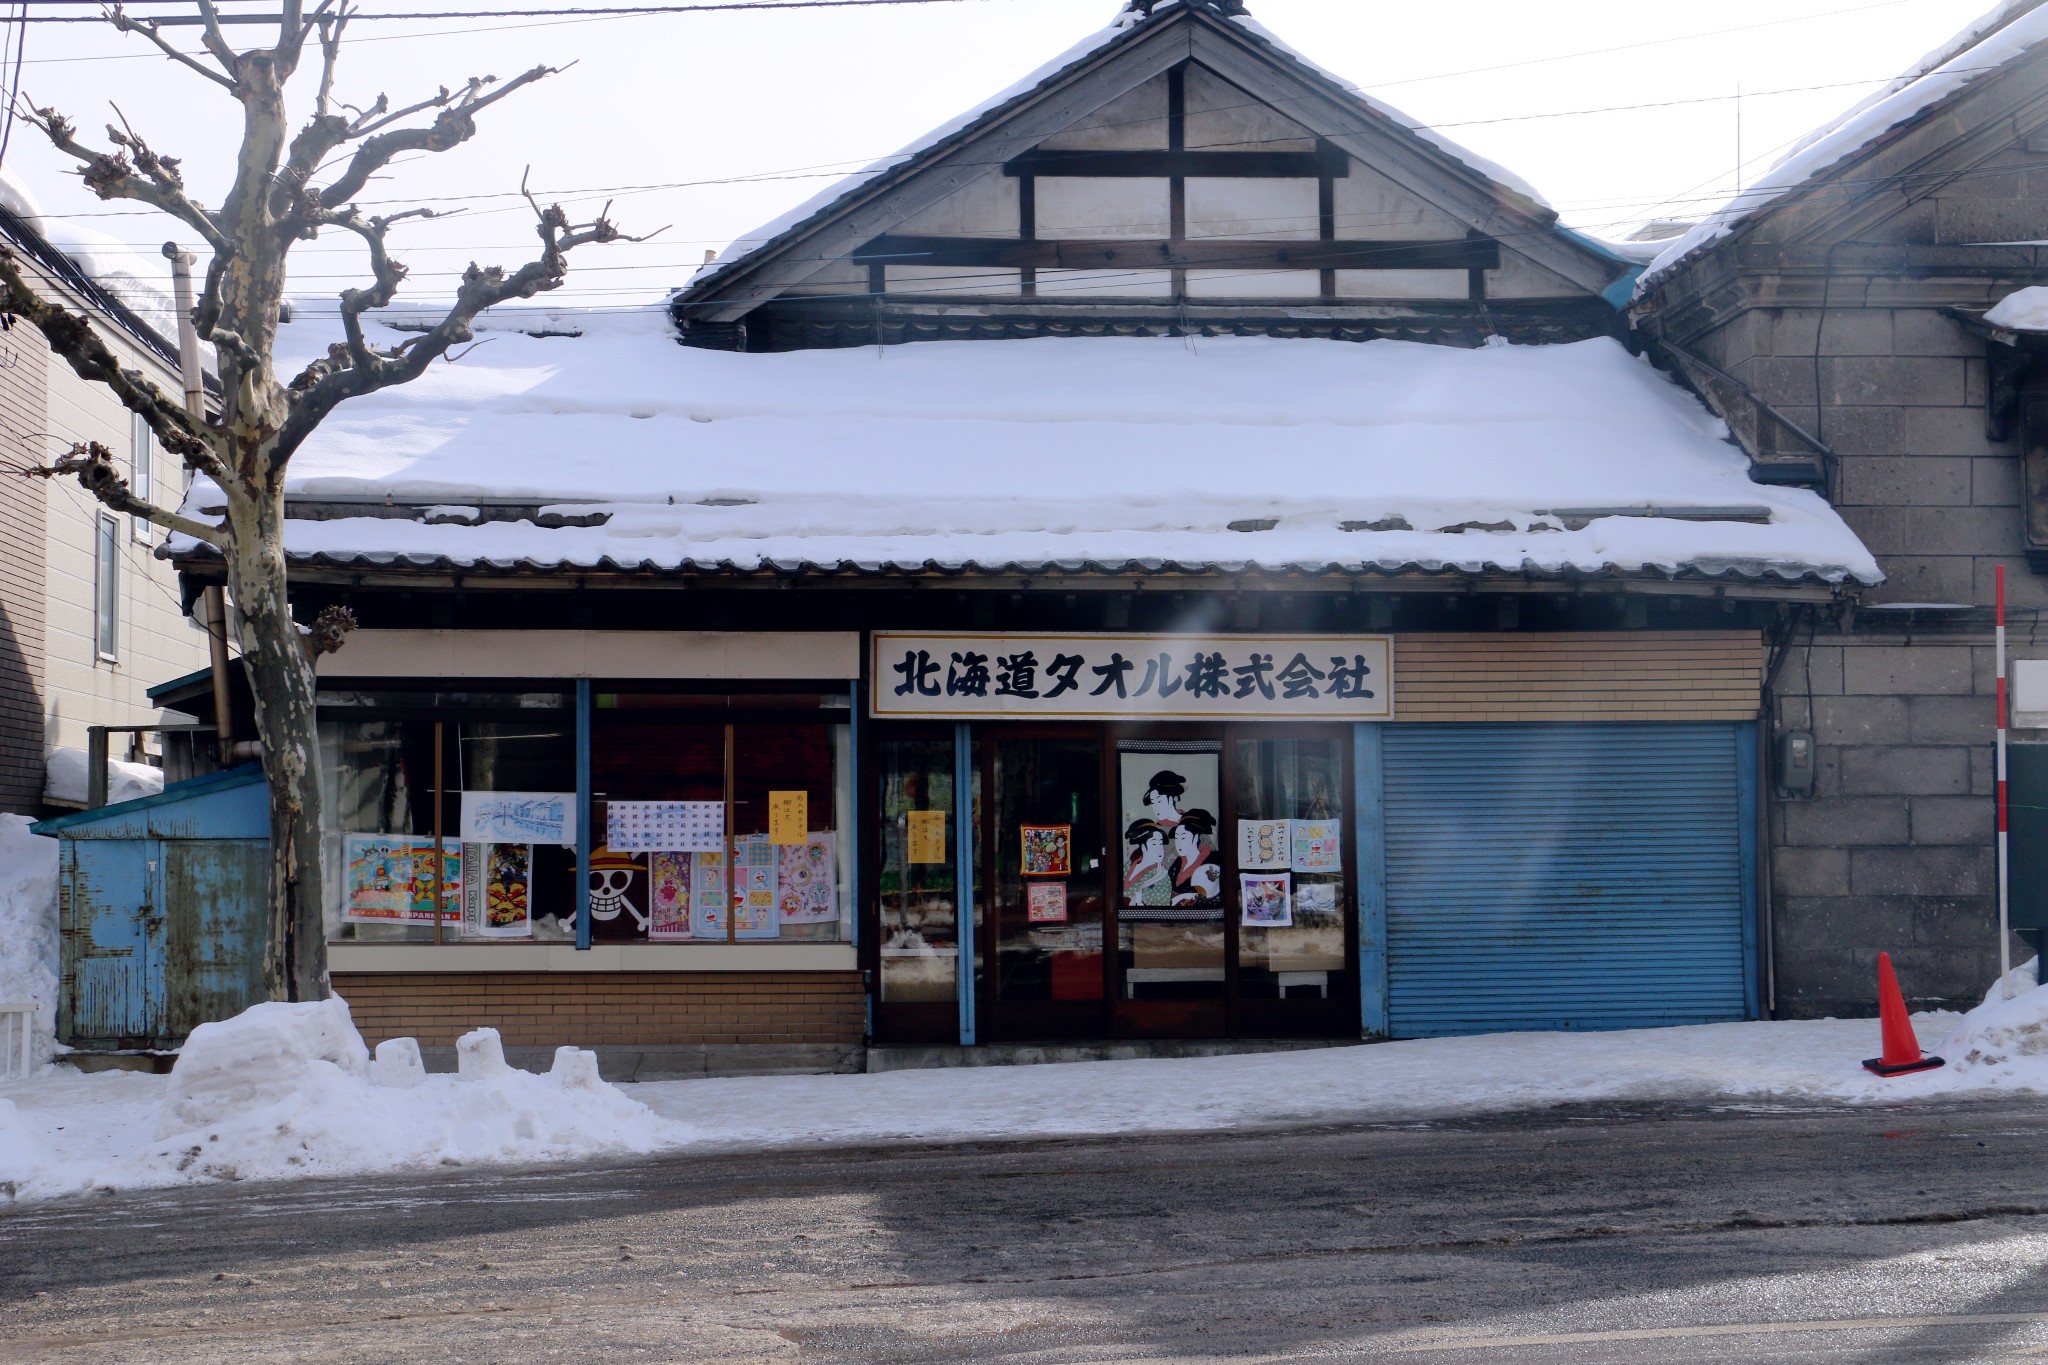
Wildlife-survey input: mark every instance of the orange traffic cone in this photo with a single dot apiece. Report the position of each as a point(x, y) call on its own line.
point(1901, 1048)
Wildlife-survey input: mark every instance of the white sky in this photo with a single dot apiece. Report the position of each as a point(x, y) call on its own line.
point(782, 96)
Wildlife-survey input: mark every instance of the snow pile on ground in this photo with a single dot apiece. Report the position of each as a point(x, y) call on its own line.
point(1301, 453)
point(2023, 310)
point(28, 932)
point(64, 779)
point(2004, 1042)
point(285, 1090)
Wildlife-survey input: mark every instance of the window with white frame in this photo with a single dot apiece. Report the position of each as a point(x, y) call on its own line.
point(141, 469)
point(106, 596)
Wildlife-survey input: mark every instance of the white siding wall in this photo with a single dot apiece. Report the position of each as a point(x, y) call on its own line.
point(156, 642)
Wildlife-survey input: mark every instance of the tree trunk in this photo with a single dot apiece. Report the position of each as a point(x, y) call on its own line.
point(281, 681)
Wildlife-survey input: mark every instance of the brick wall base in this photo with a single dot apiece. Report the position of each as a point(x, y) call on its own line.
point(670, 1013)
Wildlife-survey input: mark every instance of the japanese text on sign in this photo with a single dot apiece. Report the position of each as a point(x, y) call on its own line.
point(1068, 677)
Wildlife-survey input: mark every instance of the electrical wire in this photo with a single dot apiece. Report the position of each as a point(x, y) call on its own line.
point(623, 11)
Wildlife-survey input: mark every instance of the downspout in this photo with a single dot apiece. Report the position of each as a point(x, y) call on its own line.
point(214, 597)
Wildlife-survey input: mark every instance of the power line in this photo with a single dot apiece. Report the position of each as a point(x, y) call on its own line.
point(622, 11)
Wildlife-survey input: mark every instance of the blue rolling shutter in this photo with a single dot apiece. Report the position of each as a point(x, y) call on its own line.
point(1567, 876)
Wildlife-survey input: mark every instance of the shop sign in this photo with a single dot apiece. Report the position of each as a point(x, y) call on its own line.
point(1133, 677)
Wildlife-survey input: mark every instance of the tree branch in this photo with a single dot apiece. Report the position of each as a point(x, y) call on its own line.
point(93, 465)
point(216, 41)
point(150, 29)
point(359, 368)
point(71, 337)
point(455, 125)
point(111, 175)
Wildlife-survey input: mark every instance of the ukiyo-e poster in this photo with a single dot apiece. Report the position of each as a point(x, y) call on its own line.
point(1048, 850)
point(1264, 845)
point(1167, 804)
point(1317, 846)
point(1267, 904)
point(519, 817)
point(390, 879)
point(668, 895)
point(754, 907)
point(807, 892)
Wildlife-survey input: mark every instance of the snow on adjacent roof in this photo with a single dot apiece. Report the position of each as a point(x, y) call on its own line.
point(1993, 40)
point(141, 279)
point(2023, 310)
point(955, 129)
point(1125, 454)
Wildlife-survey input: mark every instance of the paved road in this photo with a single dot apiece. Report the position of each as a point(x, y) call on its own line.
point(1585, 1236)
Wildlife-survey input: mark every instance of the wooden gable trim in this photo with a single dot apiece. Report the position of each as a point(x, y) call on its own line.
point(1164, 164)
point(1118, 69)
point(1402, 156)
point(1010, 253)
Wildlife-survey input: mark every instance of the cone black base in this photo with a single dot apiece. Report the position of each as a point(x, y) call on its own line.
point(1877, 1064)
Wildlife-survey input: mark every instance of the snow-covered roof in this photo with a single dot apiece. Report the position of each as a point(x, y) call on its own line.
point(1982, 48)
point(620, 449)
point(137, 278)
point(1128, 23)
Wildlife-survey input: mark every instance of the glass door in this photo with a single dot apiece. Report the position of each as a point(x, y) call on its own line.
point(1172, 977)
point(1295, 970)
point(917, 891)
point(1045, 852)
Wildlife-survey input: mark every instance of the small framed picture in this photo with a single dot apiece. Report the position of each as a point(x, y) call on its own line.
point(1266, 899)
point(1048, 850)
point(1047, 903)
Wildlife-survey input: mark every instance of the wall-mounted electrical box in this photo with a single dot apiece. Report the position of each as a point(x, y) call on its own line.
point(1798, 764)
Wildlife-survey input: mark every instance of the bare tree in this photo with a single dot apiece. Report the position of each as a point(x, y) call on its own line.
point(277, 201)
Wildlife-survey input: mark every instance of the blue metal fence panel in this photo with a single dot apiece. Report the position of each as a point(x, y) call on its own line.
point(1564, 876)
point(113, 991)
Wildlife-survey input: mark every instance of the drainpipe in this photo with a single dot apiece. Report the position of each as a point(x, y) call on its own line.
point(215, 600)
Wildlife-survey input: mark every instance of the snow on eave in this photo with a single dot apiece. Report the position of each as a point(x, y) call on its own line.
point(899, 165)
point(1984, 48)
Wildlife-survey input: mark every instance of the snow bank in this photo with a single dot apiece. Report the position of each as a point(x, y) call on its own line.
point(2023, 310)
point(28, 932)
point(64, 779)
point(1362, 456)
point(2003, 1042)
point(286, 1090)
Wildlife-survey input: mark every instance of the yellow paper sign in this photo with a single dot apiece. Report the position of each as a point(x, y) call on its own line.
point(789, 817)
point(927, 836)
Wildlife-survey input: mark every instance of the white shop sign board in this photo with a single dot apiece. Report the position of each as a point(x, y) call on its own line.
point(1132, 677)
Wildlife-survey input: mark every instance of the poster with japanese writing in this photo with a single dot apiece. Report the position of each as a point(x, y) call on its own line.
point(1318, 846)
point(1267, 904)
point(519, 817)
point(709, 903)
point(1127, 677)
point(665, 826)
point(1264, 845)
point(1047, 903)
point(1048, 850)
point(789, 818)
point(806, 889)
point(389, 879)
point(505, 875)
point(926, 837)
point(1169, 797)
point(755, 912)
point(668, 891)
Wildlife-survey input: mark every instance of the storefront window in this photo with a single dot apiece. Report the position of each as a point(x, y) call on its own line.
point(918, 877)
point(719, 824)
point(1290, 868)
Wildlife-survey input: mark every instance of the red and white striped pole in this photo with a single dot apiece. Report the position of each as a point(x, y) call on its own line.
point(2004, 907)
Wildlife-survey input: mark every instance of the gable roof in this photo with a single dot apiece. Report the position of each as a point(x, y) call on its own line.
point(1983, 48)
point(1063, 89)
